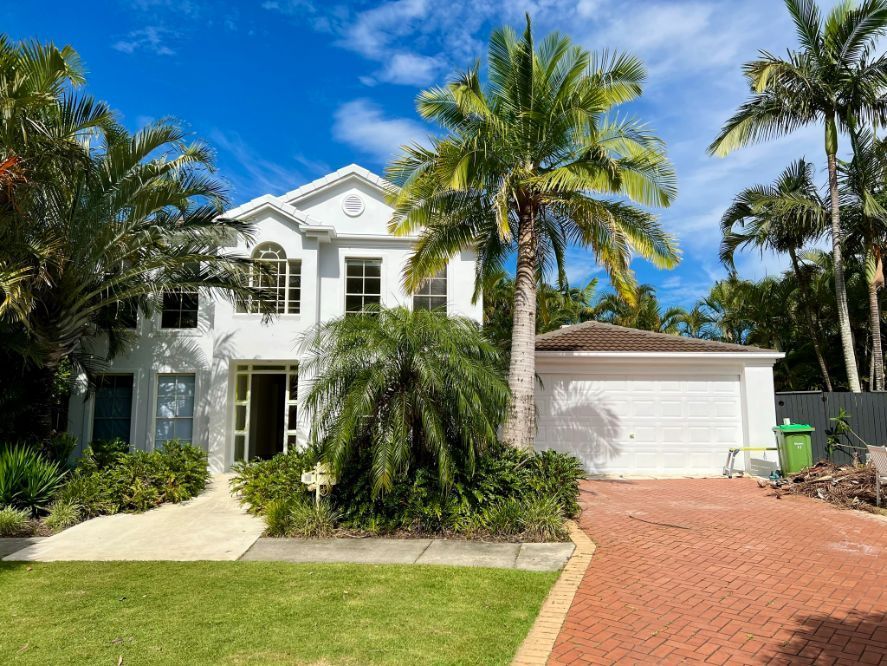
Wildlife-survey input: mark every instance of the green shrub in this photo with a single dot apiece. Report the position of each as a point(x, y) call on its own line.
point(14, 522)
point(261, 482)
point(59, 448)
point(542, 520)
point(279, 517)
point(27, 480)
point(103, 453)
point(62, 515)
point(300, 517)
point(112, 481)
point(89, 492)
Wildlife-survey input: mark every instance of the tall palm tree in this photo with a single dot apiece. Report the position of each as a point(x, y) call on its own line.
point(725, 306)
point(516, 174)
point(782, 217)
point(138, 220)
point(409, 387)
point(864, 196)
point(835, 80)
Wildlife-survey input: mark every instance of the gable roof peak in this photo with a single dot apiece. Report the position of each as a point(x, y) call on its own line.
point(351, 170)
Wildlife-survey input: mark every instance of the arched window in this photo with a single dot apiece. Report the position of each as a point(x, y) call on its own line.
point(279, 276)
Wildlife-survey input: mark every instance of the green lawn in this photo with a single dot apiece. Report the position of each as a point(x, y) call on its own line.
point(263, 612)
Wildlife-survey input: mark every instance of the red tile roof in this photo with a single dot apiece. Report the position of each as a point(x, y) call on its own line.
point(595, 336)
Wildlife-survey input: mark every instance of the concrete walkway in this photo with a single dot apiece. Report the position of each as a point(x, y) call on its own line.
point(528, 556)
point(212, 526)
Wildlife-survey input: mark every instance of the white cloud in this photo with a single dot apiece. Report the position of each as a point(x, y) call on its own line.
point(151, 38)
point(362, 125)
point(371, 31)
point(409, 69)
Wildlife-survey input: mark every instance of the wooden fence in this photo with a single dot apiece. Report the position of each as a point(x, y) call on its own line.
point(866, 414)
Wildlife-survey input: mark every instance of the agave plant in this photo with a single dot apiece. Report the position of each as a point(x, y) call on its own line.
point(27, 480)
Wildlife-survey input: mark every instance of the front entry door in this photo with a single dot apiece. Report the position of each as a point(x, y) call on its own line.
point(265, 410)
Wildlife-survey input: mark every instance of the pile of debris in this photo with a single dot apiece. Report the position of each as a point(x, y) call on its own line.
point(850, 486)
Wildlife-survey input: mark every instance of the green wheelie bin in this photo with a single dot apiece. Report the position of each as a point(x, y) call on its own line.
point(795, 447)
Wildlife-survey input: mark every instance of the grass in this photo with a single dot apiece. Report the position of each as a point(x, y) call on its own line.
point(263, 613)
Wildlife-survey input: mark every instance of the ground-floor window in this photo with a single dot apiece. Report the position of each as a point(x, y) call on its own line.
point(112, 411)
point(175, 409)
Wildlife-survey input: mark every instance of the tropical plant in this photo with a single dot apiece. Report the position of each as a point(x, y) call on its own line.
point(695, 323)
point(835, 80)
point(258, 483)
point(517, 173)
point(14, 522)
point(783, 218)
point(63, 513)
point(27, 480)
point(554, 307)
point(412, 387)
point(42, 127)
point(640, 310)
point(138, 221)
point(864, 197)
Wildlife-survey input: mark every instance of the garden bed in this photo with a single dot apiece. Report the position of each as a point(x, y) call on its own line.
point(39, 496)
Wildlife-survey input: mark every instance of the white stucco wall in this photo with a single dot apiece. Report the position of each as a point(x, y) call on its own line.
point(322, 237)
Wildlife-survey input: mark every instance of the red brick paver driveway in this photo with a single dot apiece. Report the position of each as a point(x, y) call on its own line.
point(720, 571)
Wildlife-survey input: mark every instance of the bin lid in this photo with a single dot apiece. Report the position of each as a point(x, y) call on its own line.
point(795, 427)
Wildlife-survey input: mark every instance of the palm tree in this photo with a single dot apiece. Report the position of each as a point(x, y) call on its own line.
point(412, 387)
point(695, 323)
point(864, 196)
point(835, 80)
point(642, 311)
point(515, 175)
point(725, 306)
point(782, 217)
point(137, 221)
point(43, 124)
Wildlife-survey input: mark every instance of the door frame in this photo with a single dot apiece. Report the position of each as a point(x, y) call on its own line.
point(242, 374)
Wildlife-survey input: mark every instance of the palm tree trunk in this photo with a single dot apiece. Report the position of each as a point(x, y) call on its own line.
point(519, 429)
point(43, 408)
point(808, 315)
point(840, 283)
point(875, 327)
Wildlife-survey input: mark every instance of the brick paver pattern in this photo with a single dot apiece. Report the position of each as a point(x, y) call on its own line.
point(720, 571)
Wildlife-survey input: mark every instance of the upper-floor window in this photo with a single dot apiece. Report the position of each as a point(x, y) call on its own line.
point(179, 308)
point(363, 284)
point(180, 305)
point(280, 277)
point(432, 293)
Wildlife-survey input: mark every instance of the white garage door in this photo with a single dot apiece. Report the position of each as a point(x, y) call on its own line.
point(667, 425)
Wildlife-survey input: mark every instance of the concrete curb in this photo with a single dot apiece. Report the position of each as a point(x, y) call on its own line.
point(537, 646)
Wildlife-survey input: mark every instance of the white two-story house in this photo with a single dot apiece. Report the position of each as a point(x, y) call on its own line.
point(214, 373)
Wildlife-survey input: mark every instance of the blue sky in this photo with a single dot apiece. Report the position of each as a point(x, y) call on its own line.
point(287, 90)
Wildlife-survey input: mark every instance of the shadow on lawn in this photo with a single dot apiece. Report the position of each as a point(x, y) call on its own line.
point(861, 637)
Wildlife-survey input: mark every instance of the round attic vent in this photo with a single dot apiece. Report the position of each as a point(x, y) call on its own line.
point(352, 205)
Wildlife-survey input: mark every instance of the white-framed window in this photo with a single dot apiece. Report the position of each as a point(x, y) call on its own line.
point(174, 417)
point(112, 408)
point(432, 293)
point(282, 277)
point(363, 284)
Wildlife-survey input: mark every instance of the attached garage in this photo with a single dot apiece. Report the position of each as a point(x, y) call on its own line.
point(637, 403)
